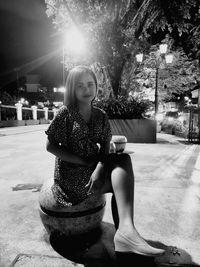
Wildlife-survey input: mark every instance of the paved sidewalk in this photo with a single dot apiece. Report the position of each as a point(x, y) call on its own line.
point(167, 198)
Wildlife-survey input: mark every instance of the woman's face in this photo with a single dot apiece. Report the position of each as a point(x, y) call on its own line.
point(85, 90)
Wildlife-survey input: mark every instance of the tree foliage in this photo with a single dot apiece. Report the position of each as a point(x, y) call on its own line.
point(117, 30)
point(179, 18)
point(109, 26)
point(175, 78)
point(6, 98)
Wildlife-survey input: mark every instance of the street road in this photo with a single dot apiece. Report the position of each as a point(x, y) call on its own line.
point(167, 192)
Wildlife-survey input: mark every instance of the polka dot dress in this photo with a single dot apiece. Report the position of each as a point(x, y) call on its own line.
point(87, 140)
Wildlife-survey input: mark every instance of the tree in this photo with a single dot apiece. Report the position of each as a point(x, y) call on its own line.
point(180, 19)
point(109, 27)
point(6, 98)
point(117, 30)
point(175, 78)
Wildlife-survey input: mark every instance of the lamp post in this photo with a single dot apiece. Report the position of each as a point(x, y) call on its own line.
point(161, 57)
point(63, 66)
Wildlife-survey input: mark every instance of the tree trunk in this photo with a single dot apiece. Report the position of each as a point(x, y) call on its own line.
point(115, 75)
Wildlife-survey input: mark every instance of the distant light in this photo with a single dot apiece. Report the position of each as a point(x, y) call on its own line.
point(139, 57)
point(61, 89)
point(163, 48)
point(21, 101)
point(58, 104)
point(169, 58)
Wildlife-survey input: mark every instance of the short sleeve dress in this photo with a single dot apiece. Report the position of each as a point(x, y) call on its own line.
point(87, 140)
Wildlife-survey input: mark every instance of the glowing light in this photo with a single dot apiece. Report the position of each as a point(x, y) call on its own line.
point(163, 48)
point(61, 89)
point(139, 57)
point(169, 58)
point(21, 100)
point(74, 41)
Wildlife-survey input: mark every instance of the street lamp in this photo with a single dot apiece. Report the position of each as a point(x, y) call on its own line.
point(73, 45)
point(160, 58)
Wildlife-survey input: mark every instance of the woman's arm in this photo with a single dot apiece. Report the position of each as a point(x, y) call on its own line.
point(61, 152)
point(97, 177)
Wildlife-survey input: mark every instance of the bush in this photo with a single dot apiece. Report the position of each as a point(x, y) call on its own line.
point(123, 108)
point(8, 114)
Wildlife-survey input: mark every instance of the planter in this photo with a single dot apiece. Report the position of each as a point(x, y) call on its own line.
point(135, 130)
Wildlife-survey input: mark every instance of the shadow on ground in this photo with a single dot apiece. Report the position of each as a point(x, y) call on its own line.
point(93, 249)
point(96, 249)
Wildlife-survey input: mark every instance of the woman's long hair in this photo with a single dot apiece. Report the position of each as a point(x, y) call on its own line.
point(73, 77)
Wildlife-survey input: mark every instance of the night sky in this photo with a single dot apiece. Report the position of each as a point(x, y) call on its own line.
point(29, 42)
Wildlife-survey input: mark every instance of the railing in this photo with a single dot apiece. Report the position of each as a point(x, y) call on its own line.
point(18, 112)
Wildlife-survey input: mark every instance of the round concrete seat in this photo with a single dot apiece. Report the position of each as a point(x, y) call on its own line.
point(72, 220)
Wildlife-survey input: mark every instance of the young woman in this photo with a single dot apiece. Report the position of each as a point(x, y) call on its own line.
point(79, 136)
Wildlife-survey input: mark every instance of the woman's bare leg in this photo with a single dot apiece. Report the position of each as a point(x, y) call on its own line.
point(122, 180)
point(122, 185)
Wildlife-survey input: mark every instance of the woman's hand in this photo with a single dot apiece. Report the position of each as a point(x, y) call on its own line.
point(96, 180)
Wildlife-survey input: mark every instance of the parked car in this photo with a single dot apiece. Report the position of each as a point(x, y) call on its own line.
point(171, 116)
point(169, 120)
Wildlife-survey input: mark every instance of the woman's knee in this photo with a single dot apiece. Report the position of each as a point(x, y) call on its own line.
point(121, 159)
point(125, 157)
